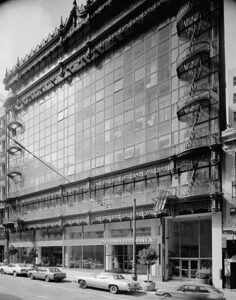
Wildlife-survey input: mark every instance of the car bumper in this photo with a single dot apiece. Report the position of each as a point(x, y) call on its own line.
point(133, 289)
point(22, 273)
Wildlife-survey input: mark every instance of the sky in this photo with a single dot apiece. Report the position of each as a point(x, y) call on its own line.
point(24, 24)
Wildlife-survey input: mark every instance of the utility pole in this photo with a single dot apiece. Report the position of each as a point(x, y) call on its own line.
point(134, 269)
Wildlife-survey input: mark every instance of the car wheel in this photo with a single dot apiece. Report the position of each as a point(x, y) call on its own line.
point(166, 295)
point(31, 276)
point(47, 279)
point(2, 271)
point(82, 284)
point(113, 289)
point(14, 273)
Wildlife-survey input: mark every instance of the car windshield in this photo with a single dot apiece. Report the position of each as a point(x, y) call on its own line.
point(118, 276)
point(54, 270)
point(22, 265)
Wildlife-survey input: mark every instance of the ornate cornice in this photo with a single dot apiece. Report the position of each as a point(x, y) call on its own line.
point(80, 17)
point(89, 51)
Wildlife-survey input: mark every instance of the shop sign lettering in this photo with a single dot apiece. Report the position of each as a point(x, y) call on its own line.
point(127, 241)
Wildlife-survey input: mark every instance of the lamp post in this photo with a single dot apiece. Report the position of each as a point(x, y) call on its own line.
point(134, 269)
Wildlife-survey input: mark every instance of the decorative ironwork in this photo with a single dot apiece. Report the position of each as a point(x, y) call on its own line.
point(14, 149)
point(188, 105)
point(193, 59)
point(79, 59)
point(192, 64)
point(192, 18)
point(14, 172)
point(11, 99)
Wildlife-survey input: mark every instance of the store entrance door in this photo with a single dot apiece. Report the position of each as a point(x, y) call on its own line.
point(1, 253)
point(52, 256)
point(122, 258)
point(184, 268)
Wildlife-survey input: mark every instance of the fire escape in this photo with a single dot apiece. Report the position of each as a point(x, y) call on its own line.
point(15, 127)
point(193, 64)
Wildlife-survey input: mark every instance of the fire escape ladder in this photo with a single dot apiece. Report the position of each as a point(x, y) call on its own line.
point(160, 199)
point(193, 130)
point(193, 176)
point(196, 27)
point(198, 112)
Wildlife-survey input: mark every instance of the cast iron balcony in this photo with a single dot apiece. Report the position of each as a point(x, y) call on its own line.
point(193, 59)
point(11, 99)
point(189, 103)
point(14, 172)
point(14, 124)
point(192, 19)
point(229, 140)
point(198, 144)
point(9, 223)
point(14, 149)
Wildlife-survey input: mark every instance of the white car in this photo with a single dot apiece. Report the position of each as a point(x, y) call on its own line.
point(108, 281)
point(15, 269)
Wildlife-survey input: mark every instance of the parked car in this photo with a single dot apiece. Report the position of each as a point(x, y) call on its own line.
point(108, 281)
point(15, 269)
point(193, 291)
point(46, 273)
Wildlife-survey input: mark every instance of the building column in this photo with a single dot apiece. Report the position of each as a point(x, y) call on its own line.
point(108, 248)
point(108, 253)
point(39, 257)
point(216, 248)
point(68, 251)
point(165, 249)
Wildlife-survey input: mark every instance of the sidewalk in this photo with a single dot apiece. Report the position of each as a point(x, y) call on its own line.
point(166, 285)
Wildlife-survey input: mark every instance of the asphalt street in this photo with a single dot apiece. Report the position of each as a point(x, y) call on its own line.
point(22, 288)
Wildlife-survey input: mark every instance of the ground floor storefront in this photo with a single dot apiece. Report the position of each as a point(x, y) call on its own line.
point(184, 245)
point(1, 253)
point(193, 243)
point(229, 258)
point(189, 246)
point(3, 246)
point(107, 246)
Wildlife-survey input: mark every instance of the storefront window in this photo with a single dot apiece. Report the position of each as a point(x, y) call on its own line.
point(189, 247)
point(75, 260)
point(93, 234)
point(145, 231)
point(120, 233)
point(50, 234)
point(205, 237)
point(93, 257)
point(52, 256)
point(189, 233)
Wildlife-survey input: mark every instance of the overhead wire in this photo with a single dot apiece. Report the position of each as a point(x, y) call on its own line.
point(46, 164)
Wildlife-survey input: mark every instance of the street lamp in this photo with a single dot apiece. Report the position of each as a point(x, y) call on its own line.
point(134, 269)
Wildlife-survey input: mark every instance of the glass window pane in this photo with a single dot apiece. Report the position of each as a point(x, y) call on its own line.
point(205, 238)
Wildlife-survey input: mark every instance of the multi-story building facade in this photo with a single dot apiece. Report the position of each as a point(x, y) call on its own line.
point(3, 240)
point(120, 103)
point(229, 140)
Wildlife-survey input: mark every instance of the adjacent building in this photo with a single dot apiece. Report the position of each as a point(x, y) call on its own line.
point(3, 239)
point(121, 103)
point(229, 141)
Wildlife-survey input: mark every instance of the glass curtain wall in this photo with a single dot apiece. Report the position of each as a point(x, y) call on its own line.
point(113, 115)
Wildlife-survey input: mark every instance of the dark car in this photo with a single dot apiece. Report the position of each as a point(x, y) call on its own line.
point(193, 291)
point(47, 274)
